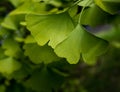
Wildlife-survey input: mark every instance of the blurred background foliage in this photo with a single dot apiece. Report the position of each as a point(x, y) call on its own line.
point(104, 76)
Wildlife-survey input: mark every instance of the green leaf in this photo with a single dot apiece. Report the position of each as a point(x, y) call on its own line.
point(100, 17)
point(12, 22)
point(53, 28)
point(16, 3)
point(30, 7)
point(85, 3)
point(11, 47)
point(44, 80)
point(29, 39)
point(39, 54)
point(9, 65)
point(110, 6)
point(81, 42)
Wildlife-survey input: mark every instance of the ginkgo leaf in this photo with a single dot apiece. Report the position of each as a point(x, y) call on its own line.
point(29, 39)
point(12, 22)
point(9, 65)
point(110, 6)
point(11, 47)
point(30, 6)
point(100, 17)
point(44, 80)
point(16, 2)
point(53, 28)
point(85, 3)
point(81, 42)
point(39, 54)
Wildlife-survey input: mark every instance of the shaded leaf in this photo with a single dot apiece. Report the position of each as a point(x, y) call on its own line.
point(44, 80)
point(11, 47)
point(1, 53)
point(100, 17)
point(39, 54)
point(110, 6)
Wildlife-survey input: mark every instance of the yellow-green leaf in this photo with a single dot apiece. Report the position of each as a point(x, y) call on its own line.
point(80, 42)
point(53, 28)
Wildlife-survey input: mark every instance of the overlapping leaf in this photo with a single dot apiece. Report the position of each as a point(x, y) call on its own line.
point(12, 22)
point(110, 6)
point(100, 17)
point(39, 54)
point(53, 28)
point(81, 42)
point(9, 65)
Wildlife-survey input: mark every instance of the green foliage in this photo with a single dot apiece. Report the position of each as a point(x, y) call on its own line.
point(80, 44)
point(42, 42)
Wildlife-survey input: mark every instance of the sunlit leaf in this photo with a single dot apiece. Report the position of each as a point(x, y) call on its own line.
point(9, 65)
point(53, 28)
point(29, 39)
point(39, 54)
point(30, 7)
point(81, 42)
point(85, 3)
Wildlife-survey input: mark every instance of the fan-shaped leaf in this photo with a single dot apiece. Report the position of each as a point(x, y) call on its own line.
point(53, 28)
point(81, 42)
